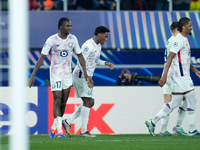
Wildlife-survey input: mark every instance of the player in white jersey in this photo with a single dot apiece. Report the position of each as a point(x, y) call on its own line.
point(91, 52)
point(167, 92)
point(62, 46)
point(179, 61)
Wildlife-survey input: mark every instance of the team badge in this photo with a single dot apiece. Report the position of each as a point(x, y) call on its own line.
point(86, 49)
point(53, 86)
point(70, 45)
point(175, 44)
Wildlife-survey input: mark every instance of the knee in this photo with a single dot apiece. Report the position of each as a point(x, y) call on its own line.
point(88, 102)
point(92, 103)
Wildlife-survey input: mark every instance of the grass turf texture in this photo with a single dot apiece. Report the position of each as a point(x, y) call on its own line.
point(110, 142)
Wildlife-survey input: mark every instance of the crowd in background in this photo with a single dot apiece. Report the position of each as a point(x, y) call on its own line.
point(110, 5)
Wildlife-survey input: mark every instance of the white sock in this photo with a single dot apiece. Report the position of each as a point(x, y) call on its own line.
point(75, 114)
point(59, 124)
point(181, 113)
point(163, 112)
point(84, 118)
point(164, 122)
point(54, 124)
point(191, 120)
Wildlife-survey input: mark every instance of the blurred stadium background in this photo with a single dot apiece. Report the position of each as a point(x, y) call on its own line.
point(136, 41)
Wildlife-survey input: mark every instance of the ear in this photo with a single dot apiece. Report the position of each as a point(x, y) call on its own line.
point(183, 27)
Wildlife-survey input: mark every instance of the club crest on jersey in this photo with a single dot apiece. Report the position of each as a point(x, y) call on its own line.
point(63, 53)
point(70, 45)
point(175, 44)
point(53, 86)
point(86, 49)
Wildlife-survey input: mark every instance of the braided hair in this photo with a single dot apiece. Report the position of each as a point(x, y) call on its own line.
point(182, 22)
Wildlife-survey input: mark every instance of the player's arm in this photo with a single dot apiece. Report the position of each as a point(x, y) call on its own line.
point(162, 80)
point(109, 65)
point(105, 63)
point(82, 63)
point(195, 70)
point(36, 68)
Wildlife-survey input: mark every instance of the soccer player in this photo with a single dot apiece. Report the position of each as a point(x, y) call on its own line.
point(91, 50)
point(62, 46)
point(181, 82)
point(167, 92)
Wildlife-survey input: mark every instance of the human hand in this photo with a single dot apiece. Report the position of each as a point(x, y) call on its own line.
point(162, 81)
point(31, 81)
point(109, 65)
point(89, 82)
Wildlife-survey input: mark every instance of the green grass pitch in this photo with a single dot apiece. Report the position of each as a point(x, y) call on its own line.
point(110, 142)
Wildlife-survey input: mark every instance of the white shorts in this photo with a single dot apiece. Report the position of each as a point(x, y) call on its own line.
point(81, 88)
point(167, 88)
point(58, 84)
point(182, 84)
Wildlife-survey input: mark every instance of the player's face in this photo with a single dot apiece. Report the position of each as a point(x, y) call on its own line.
point(188, 27)
point(66, 27)
point(103, 37)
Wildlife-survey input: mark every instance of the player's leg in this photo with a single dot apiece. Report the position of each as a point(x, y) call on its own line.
point(66, 87)
point(165, 119)
point(56, 88)
point(57, 112)
point(65, 96)
point(191, 112)
point(166, 109)
point(181, 115)
point(78, 88)
point(80, 85)
point(181, 112)
point(88, 103)
point(67, 122)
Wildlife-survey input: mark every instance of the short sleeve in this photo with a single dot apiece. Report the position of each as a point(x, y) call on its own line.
point(176, 46)
point(77, 48)
point(47, 46)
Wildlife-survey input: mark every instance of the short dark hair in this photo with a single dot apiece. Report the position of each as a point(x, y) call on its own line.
point(101, 29)
point(174, 25)
point(60, 22)
point(183, 21)
point(125, 71)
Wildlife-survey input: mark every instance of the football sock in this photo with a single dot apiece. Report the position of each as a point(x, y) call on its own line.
point(84, 118)
point(191, 99)
point(163, 112)
point(59, 124)
point(181, 113)
point(75, 114)
point(167, 108)
point(164, 122)
point(60, 133)
point(53, 131)
point(191, 120)
point(54, 124)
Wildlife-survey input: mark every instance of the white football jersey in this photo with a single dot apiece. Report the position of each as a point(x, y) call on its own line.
point(61, 54)
point(167, 50)
point(91, 53)
point(181, 62)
